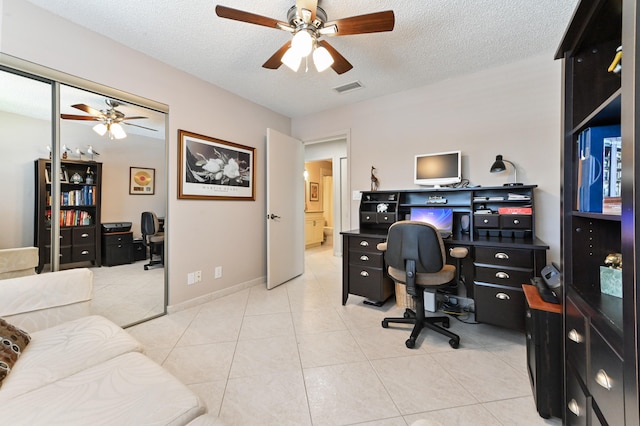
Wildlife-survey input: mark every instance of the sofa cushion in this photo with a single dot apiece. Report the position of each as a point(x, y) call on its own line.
point(129, 389)
point(63, 350)
point(13, 342)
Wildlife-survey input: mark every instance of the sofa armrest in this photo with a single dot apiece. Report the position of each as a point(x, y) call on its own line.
point(18, 262)
point(40, 301)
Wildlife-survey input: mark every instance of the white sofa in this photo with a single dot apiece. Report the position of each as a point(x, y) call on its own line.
point(81, 369)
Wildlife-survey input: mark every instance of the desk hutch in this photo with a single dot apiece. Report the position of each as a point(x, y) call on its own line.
point(504, 252)
point(600, 330)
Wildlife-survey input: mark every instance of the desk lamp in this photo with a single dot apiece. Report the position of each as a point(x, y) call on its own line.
point(499, 166)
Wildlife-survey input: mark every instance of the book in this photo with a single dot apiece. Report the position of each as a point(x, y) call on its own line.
point(591, 149)
point(515, 210)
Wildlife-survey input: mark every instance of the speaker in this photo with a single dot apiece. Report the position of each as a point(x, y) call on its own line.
point(464, 223)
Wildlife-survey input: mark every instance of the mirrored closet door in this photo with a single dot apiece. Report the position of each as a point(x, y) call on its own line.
point(111, 157)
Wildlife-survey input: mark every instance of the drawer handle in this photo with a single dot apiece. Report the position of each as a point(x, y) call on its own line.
point(386, 218)
point(516, 221)
point(574, 336)
point(85, 252)
point(502, 256)
point(502, 275)
point(604, 380)
point(119, 245)
point(368, 217)
point(364, 273)
point(364, 258)
point(485, 221)
point(502, 296)
point(85, 235)
point(364, 243)
point(574, 407)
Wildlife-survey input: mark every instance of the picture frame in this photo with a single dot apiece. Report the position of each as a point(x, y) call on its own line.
point(314, 191)
point(214, 169)
point(142, 181)
point(64, 178)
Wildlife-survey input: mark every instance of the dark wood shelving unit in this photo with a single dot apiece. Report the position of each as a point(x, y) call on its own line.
point(600, 339)
point(80, 236)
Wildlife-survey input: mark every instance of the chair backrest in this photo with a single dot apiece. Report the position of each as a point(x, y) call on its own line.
point(418, 241)
point(149, 224)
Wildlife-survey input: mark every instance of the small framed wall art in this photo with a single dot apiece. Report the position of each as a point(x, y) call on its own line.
point(314, 191)
point(142, 181)
point(213, 169)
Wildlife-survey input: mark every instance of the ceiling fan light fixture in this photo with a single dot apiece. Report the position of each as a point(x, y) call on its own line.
point(322, 59)
point(100, 129)
point(291, 59)
point(302, 43)
point(117, 131)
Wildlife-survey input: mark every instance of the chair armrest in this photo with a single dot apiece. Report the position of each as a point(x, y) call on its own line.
point(43, 291)
point(382, 246)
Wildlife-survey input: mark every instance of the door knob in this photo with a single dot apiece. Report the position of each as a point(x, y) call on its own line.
point(273, 216)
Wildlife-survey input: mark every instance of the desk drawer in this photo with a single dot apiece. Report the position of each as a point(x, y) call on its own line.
point(504, 257)
point(367, 244)
point(117, 239)
point(486, 220)
point(606, 379)
point(499, 305)
point(366, 282)
point(515, 221)
point(368, 217)
point(368, 259)
point(503, 276)
point(386, 217)
point(83, 253)
point(577, 403)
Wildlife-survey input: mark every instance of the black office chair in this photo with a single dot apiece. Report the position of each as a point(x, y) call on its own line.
point(414, 253)
point(152, 239)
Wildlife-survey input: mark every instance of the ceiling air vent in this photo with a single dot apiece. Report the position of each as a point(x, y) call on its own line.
point(349, 87)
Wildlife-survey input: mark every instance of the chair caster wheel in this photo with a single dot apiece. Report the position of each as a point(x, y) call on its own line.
point(146, 268)
point(410, 343)
point(454, 343)
point(385, 324)
point(406, 315)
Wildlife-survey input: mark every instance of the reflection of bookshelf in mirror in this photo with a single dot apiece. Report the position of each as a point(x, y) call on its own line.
point(79, 211)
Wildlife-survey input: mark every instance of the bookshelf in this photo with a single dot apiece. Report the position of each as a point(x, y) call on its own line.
point(600, 330)
point(80, 199)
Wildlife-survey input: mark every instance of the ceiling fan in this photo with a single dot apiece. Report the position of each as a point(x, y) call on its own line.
point(109, 119)
point(308, 23)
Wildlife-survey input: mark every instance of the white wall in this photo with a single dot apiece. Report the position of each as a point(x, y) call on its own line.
point(202, 234)
point(513, 110)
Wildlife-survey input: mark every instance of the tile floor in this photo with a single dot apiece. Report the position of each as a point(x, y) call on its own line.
point(295, 356)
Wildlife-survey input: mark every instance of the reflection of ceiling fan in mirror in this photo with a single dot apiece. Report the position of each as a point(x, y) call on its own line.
point(110, 119)
point(308, 23)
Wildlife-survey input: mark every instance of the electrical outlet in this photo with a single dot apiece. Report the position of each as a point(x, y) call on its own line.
point(191, 278)
point(198, 276)
point(218, 273)
point(357, 196)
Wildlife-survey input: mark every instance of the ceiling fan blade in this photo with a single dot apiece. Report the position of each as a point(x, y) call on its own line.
point(340, 64)
point(310, 5)
point(88, 109)
point(132, 118)
point(79, 117)
point(251, 18)
point(371, 23)
point(142, 127)
point(274, 62)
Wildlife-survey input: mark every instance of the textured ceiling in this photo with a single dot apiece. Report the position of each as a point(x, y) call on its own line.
point(433, 40)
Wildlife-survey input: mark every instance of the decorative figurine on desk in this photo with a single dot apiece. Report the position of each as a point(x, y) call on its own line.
point(614, 260)
point(375, 183)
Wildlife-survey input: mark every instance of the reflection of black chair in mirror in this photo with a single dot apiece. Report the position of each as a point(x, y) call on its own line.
point(152, 239)
point(415, 254)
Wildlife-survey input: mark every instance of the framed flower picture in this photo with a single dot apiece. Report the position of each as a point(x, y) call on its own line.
point(213, 169)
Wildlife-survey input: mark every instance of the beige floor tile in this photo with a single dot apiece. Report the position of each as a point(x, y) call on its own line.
point(470, 415)
point(334, 347)
point(265, 356)
point(519, 412)
point(272, 399)
point(211, 327)
point(346, 394)
point(418, 383)
point(264, 326)
point(211, 394)
point(262, 301)
point(317, 321)
point(201, 363)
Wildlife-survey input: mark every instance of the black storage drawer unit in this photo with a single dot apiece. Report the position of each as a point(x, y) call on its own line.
point(117, 248)
point(500, 305)
point(504, 257)
point(364, 269)
point(139, 250)
point(513, 277)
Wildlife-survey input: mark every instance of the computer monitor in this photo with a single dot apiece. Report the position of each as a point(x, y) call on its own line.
point(442, 168)
point(440, 217)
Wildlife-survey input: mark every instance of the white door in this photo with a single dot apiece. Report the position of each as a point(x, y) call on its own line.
point(285, 208)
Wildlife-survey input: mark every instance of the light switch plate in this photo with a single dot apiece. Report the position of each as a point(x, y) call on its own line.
point(357, 195)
